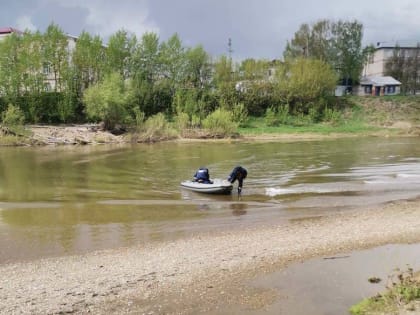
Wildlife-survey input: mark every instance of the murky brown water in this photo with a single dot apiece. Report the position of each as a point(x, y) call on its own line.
point(331, 285)
point(66, 200)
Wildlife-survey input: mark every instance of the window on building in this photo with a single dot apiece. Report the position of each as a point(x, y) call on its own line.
point(390, 89)
point(46, 68)
point(368, 89)
point(47, 87)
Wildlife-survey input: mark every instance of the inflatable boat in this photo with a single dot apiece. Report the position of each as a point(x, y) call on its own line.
point(219, 186)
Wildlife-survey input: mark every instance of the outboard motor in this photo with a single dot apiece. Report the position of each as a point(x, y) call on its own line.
point(202, 176)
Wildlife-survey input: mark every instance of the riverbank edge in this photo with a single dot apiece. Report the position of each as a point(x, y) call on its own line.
point(200, 273)
point(91, 134)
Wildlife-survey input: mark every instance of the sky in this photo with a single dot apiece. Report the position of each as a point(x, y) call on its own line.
point(257, 28)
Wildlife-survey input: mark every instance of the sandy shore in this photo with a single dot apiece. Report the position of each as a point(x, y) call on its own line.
point(198, 274)
point(92, 134)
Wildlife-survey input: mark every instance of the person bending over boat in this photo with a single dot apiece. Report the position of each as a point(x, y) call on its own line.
point(238, 173)
point(202, 176)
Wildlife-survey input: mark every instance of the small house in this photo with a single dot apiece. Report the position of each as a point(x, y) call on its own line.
point(377, 86)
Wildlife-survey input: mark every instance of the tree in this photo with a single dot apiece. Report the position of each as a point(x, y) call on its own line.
point(145, 67)
point(88, 60)
point(55, 56)
point(252, 69)
point(146, 59)
point(11, 72)
point(305, 82)
point(337, 43)
point(119, 52)
point(107, 101)
point(197, 68)
point(172, 61)
point(311, 41)
point(224, 81)
point(349, 53)
point(298, 46)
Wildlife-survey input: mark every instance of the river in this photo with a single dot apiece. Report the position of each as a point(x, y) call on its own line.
point(75, 199)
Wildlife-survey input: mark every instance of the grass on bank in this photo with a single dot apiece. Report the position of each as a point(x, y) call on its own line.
point(402, 294)
point(257, 126)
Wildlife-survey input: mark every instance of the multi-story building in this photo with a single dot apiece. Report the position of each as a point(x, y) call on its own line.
point(374, 79)
point(384, 51)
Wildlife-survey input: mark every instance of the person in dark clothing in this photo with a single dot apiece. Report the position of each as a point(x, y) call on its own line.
point(202, 176)
point(238, 173)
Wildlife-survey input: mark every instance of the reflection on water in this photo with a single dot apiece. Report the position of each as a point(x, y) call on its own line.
point(65, 200)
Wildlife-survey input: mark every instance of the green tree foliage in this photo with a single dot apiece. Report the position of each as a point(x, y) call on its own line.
point(252, 69)
point(88, 57)
point(145, 59)
point(51, 77)
point(311, 41)
point(55, 56)
point(198, 70)
point(305, 83)
point(348, 49)
point(119, 52)
point(145, 72)
point(256, 85)
point(107, 101)
point(172, 61)
point(337, 43)
point(11, 70)
point(224, 82)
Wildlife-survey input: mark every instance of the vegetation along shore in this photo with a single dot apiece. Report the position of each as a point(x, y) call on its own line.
point(56, 89)
point(361, 117)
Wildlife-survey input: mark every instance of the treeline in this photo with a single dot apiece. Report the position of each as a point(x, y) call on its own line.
point(130, 79)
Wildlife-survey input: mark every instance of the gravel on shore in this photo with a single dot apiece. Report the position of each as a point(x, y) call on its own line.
point(196, 274)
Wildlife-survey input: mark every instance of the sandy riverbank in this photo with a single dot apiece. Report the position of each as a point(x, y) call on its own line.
point(93, 134)
point(189, 276)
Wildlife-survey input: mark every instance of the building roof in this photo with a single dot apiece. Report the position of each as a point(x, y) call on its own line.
point(379, 81)
point(398, 43)
point(9, 30)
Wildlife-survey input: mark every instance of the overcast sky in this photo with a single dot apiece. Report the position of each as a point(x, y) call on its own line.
point(258, 28)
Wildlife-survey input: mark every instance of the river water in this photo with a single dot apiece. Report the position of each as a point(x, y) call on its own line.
point(68, 200)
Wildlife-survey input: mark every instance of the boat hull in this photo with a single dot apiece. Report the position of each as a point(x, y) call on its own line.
point(218, 187)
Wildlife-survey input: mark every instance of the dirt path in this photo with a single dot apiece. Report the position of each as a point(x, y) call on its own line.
point(190, 276)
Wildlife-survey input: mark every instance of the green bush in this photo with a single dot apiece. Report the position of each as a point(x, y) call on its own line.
point(403, 289)
point(195, 121)
point(13, 116)
point(157, 128)
point(239, 114)
point(182, 121)
point(106, 101)
point(271, 118)
point(220, 123)
point(283, 114)
point(139, 116)
point(332, 116)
